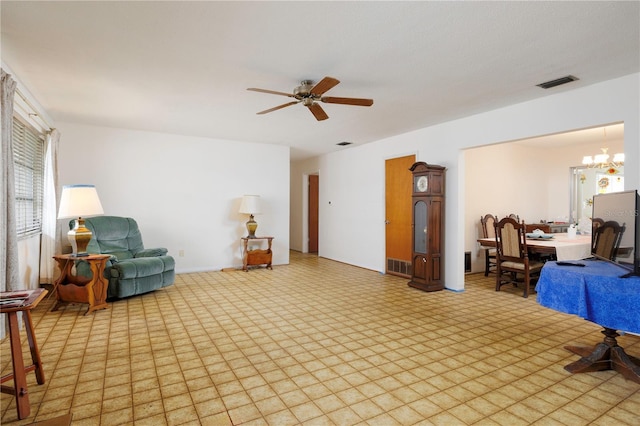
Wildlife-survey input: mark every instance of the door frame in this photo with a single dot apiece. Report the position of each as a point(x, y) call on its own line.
point(305, 211)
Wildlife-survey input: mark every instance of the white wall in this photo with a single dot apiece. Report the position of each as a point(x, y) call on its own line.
point(184, 192)
point(353, 180)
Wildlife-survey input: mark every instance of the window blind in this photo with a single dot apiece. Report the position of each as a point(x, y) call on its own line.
point(28, 162)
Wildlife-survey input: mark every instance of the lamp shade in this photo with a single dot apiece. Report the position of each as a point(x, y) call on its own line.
point(79, 201)
point(250, 204)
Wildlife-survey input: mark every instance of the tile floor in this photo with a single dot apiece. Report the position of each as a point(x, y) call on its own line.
point(319, 342)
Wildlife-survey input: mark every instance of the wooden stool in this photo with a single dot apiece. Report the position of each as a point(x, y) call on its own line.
point(24, 301)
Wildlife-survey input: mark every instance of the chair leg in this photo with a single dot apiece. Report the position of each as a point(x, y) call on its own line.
point(526, 284)
point(486, 262)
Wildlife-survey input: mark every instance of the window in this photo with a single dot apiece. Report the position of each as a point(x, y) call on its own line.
point(28, 163)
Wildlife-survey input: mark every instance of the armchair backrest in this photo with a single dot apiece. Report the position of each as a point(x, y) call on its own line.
point(118, 236)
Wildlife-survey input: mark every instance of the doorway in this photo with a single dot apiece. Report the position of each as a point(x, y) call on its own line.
point(314, 186)
point(398, 187)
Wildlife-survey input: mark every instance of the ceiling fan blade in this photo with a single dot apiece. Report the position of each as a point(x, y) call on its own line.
point(347, 101)
point(324, 85)
point(318, 112)
point(278, 107)
point(273, 92)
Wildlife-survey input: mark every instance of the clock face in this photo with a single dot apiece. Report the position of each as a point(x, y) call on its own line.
point(422, 184)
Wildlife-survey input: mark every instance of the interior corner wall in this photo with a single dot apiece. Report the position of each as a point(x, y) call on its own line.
point(352, 181)
point(183, 191)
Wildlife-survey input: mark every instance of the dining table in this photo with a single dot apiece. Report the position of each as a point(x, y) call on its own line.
point(564, 247)
point(600, 292)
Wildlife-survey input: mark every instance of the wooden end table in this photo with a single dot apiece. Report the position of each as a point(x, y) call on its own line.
point(70, 288)
point(23, 301)
point(257, 256)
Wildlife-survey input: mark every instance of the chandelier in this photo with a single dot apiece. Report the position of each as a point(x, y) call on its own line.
point(602, 160)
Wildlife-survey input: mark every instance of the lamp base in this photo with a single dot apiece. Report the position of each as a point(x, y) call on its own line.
point(252, 225)
point(79, 238)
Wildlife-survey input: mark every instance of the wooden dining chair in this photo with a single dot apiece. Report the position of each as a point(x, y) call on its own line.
point(542, 257)
point(606, 239)
point(515, 217)
point(530, 227)
point(512, 256)
point(595, 224)
point(487, 225)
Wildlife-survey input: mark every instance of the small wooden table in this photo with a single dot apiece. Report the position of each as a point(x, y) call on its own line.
point(24, 301)
point(256, 256)
point(70, 288)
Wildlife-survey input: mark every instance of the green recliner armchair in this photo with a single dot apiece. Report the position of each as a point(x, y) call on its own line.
point(132, 269)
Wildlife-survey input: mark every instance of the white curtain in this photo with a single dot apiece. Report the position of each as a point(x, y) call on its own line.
point(49, 244)
point(9, 272)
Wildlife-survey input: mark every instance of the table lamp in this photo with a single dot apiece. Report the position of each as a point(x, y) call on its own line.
point(78, 201)
point(250, 205)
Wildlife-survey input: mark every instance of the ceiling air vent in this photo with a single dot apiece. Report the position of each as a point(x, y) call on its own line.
point(345, 143)
point(557, 82)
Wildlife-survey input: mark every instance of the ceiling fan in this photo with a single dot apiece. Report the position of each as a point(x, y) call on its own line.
point(310, 95)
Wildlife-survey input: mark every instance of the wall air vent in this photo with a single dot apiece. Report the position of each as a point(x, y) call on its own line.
point(557, 82)
point(345, 143)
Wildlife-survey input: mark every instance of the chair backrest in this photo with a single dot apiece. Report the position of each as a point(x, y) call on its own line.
point(118, 236)
point(511, 244)
point(488, 222)
point(606, 239)
point(515, 217)
point(595, 224)
point(530, 227)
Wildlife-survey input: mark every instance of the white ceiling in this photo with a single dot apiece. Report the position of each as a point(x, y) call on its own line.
point(183, 67)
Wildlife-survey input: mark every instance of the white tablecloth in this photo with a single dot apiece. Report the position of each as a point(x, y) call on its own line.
point(567, 248)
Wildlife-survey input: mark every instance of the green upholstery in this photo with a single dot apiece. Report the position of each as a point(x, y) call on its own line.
point(132, 269)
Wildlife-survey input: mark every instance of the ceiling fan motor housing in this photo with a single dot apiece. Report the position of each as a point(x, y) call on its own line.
point(304, 90)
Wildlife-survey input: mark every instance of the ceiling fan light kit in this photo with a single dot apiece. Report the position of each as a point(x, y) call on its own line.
point(309, 95)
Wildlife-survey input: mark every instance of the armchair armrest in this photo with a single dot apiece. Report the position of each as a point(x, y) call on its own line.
point(141, 267)
point(154, 252)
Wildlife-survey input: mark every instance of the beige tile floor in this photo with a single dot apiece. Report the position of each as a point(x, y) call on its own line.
point(319, 342)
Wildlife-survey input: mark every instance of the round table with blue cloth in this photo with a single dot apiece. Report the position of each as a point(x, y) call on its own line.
point(599, 293)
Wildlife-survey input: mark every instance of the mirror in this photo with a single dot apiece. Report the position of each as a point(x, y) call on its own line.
point(586, 182)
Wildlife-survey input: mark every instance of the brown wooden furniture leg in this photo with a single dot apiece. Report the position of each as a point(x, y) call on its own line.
point(97, 292)
point(606, 355)
point(19, 375)
point(33, 347)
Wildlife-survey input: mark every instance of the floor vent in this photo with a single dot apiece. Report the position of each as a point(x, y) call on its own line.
point(399, 267)
point(557, 82)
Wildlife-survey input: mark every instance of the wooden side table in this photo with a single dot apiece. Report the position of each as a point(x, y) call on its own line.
point(24, 301)
point(70, 288)
point(256, 256)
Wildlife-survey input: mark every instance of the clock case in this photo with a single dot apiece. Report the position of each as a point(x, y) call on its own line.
point(427, 228)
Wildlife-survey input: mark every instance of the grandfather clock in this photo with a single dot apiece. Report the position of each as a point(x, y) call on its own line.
point(427, 252)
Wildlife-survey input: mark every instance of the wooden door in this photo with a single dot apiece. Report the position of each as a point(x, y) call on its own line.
point(398, 189)
point(313, 213)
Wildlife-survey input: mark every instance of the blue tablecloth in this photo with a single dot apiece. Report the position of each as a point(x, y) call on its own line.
point(594, 292)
